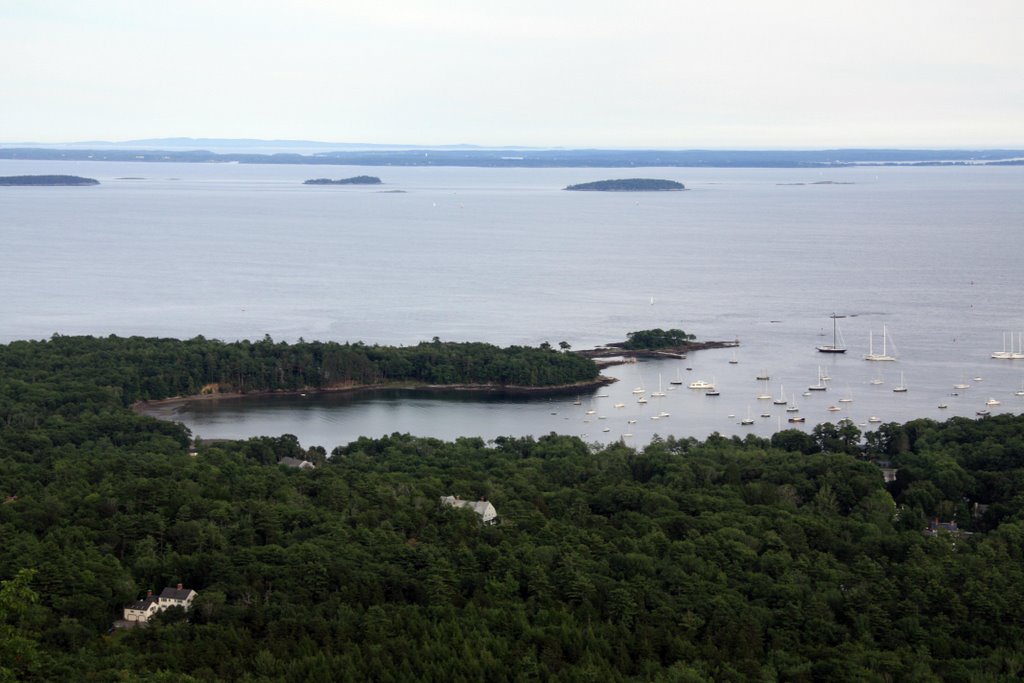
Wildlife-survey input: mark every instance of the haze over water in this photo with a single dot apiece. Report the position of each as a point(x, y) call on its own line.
point(505, 256)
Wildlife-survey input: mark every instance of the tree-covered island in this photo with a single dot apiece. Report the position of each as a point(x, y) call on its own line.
point(657, 338)
point(355, 180)
point(46, 180)
point(628, 185)
point(787, 558)
point(656, 343)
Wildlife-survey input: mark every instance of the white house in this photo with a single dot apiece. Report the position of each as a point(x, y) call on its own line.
point(488, 515)
point(143, 610)
point(296, 463)
point(177, 597)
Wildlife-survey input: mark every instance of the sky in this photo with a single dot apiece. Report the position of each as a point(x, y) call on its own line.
point(723, 74)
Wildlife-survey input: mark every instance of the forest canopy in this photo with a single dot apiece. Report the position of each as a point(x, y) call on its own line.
point(657, 338)
point(143, 368)
point(727, 559)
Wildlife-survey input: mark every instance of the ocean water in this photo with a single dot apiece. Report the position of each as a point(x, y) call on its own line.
point(505, 256)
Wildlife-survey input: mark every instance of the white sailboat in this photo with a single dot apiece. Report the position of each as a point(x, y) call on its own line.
point(1004, 354)
point(902, 388)
point(884, 355)
point(660, 392)
point(1019, 354)
point(747, 420)
point(1011, 354)
point(820, 386)
point(781, 400)
point(640, 390)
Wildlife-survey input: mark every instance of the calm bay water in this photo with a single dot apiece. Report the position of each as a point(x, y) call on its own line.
point(504, 256)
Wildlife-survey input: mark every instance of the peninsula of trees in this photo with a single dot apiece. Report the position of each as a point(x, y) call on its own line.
point(47, 180)
point(139, 368)
point(628, 185)
point(355, 180)
point(728, 559)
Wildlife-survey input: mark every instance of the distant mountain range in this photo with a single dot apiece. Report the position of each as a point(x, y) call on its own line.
point(249, 151)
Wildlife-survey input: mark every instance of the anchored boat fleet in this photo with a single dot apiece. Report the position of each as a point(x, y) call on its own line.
point(887, 353)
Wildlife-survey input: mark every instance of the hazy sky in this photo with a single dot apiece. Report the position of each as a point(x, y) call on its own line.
point(660, 73)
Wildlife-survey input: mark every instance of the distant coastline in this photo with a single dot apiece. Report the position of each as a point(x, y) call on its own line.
point(45, 180)
point(324, 154)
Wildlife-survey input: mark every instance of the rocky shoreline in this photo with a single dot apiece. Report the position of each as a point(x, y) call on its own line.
point(616, 350)
point(165, 405)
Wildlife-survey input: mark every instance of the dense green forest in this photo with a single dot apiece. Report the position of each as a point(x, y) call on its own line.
point(726, 559)
point(140, 368)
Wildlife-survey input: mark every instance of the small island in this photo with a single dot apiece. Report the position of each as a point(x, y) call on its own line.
point(655, 343)
point(356, 180)
point(46, 180)
point(629, 185)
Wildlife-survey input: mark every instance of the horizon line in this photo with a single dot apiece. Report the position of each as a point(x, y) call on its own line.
point(179, 141)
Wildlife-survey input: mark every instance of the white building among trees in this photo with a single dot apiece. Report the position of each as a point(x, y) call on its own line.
point(488, 515)
point(143, 610)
